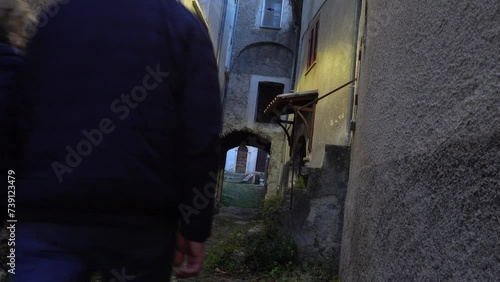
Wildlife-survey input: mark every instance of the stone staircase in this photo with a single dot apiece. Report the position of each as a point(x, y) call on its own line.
point(234, 177)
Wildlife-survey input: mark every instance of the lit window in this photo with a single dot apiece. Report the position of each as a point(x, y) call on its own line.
point(267, 92)
point(272, 13)
point(313, 45)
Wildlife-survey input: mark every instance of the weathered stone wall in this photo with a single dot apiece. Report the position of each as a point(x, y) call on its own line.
point(259, 54)
point(423, 202)
point(315, 221)
point(248, 30)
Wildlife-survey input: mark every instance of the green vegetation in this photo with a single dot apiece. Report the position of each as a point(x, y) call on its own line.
point(274, 253)
point(324, 271)
point(242, 195)
point(258, 250)
point(271, 253)
point(223, 251)
point(272, 210)
point(300, 183)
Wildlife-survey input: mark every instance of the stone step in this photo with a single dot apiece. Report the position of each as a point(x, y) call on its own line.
point(233, 176)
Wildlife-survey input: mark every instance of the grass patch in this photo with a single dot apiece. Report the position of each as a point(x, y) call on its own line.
point(263, 254)
point(272, 211)
point(300, 183)
point(321, 271)
point(242, 195)
point(223, 251)
point(271, 253)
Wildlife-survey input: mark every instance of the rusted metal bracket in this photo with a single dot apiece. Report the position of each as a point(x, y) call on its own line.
point(308, 124)
point(280, 123)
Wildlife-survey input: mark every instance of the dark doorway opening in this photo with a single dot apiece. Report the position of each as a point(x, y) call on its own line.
point(266, 93)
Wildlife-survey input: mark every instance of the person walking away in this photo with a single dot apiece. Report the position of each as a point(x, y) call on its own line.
point(16, 16)
point(119, 116)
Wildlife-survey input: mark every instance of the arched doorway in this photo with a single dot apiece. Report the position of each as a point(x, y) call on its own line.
point(245, 166)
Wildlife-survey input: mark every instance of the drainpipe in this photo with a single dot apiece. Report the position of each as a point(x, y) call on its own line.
point(353, 72)
point(297, 22)
point(222, 163)
point(298, 26)
point(236, 10)
point(221, 31)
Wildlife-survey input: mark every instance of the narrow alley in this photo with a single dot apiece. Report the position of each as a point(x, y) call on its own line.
point(345, 140)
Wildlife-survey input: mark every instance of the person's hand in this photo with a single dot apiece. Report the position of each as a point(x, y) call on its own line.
point(193, 253)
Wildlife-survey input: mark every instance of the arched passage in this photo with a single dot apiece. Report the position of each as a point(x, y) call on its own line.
point(245, 137)
point(242, 147)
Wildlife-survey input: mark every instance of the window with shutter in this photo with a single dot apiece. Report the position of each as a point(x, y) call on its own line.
point(313, 45)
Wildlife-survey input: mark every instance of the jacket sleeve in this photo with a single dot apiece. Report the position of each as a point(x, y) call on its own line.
point(201, 122)
point(9, 67)
point(4, 138)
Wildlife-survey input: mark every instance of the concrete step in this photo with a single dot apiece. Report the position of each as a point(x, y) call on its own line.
point(233, 176)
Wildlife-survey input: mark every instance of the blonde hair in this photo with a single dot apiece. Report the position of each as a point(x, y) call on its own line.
point(16, 17)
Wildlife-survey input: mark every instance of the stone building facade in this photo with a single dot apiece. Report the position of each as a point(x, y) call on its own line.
point(321, 113)
point(262, 60)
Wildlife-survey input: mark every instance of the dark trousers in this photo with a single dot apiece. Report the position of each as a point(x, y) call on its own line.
point(49, 252)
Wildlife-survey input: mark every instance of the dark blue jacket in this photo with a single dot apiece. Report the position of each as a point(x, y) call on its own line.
point(10, 61)
point(119, 116)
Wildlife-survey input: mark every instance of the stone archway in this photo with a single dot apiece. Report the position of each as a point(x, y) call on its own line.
point(240, 139)
point(237, 138)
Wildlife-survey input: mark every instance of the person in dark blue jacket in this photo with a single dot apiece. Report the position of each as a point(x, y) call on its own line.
point(16, 16)
point(119, 116)
point(10, 61)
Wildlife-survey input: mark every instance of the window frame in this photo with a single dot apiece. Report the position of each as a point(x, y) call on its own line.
point(312, 51)
point(262, 25)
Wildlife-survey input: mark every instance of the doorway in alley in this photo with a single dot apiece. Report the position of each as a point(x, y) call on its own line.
point(244, 170)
